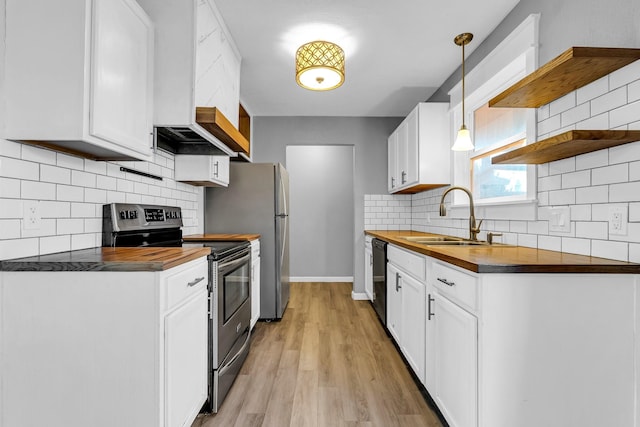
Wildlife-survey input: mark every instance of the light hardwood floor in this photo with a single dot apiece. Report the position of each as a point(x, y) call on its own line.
point(327, 363)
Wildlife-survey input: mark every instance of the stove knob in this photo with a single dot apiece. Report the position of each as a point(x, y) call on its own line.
point(133, 214)
point(123, 214)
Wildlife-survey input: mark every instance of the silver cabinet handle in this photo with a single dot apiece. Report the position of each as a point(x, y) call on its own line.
point(429, 313)
point(446, 282)
point(398, 287)
point(215, 169)
point(404, 175)
point(393, 182)
point(370, 259)
point(196, 281)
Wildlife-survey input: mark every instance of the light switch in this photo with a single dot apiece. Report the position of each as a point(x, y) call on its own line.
point(560, 219)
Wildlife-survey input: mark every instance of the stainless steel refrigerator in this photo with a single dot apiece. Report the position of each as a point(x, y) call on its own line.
point(257, 201)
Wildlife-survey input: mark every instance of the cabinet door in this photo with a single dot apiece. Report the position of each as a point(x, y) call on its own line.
point(403, 152)
point(393, 182)
point(394, 302)
point(220, 169)
point(456, 360)
point(411, 153)
point(413, 323)
point(429, 340)
point(368, 273)
point(121, 75)
point(185, 361)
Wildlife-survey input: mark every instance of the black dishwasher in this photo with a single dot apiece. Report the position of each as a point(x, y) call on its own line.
point(380, 279)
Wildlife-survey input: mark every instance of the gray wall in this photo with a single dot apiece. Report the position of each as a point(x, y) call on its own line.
point(563, 24)
point(368, 136)
point(321, 208)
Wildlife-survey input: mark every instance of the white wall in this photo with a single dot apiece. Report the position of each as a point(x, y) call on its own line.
point(588, 184)
point(71, 191)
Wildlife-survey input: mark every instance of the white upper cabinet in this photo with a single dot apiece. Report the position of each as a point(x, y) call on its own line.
point(197, 65)
point(79, 77)
point(419, 153)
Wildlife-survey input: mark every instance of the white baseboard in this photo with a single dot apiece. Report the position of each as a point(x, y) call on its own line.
point(359, 296)
point(322, 279)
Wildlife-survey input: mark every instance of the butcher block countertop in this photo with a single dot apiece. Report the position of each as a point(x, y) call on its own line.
point(218, 237)
point(508, 259)
point(107, 259)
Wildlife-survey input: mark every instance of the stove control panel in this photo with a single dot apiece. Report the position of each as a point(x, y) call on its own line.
point(135, 217)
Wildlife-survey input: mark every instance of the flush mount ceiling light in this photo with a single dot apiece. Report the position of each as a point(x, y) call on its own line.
point(320, 65)
point(463, 140)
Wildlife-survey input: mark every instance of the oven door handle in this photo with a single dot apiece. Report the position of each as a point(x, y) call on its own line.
point(232, 264)
point(226, 366)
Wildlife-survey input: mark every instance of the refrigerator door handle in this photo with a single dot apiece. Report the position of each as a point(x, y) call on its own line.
point(284, 197)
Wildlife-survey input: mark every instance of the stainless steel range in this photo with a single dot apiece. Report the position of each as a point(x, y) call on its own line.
point(133, 225)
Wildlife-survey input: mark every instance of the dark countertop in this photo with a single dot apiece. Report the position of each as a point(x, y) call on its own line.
point(107, 259)
point(508, 259)
point(219, 237)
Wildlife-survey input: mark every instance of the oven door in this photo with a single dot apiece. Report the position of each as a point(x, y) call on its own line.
point(234, 301)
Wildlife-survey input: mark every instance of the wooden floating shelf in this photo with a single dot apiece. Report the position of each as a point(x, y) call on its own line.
point(215, 122)
point(576, 67)
point(567, 144)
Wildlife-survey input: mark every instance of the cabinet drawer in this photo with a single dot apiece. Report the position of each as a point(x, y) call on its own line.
point(186, 282)
point(409, 262)
point(456, 285)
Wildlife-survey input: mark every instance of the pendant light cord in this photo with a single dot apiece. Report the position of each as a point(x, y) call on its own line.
point(463, 83)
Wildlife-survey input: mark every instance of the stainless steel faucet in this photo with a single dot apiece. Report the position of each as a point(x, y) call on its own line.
point(473, 228)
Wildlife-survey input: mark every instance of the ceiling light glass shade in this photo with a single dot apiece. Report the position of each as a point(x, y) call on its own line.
point(463, 141)
point(320, 65)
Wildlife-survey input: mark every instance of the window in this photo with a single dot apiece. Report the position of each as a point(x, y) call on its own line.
point(496, 131)
point(499, 191)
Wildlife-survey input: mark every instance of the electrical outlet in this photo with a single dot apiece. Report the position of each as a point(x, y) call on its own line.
point(31, 215)
point(618, 220)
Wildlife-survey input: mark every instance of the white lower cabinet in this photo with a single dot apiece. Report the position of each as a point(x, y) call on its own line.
point(455, 352)
point(103, 349)
point(255, 282)
point(406, 305)
point(531, 350)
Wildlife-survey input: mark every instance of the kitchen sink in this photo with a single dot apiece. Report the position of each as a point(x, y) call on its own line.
point(447, 241)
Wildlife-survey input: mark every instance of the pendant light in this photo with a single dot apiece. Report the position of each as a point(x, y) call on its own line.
point(320, 65)
point(463, 141)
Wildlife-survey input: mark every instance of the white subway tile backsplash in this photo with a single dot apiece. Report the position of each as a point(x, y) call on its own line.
point(624, 153)
point(71, 162)
point(562, 166)
point(10, 228)
point(84, 210)
point(10, 208)
point(94, 195)
point(576, 246)
point(47, 228)
point(528, 240)
point(55, 209)
point(69, 193)
point(83, 241)
point(610, 174)
point(93, 225)
point(624, 75)
point(600, 121)
point(38, 155)
point(550, 243)
point(55, 174)
point(580, 212)
point(609, 101)
point(53, 244)
point(562, 104)
point(38, 190)
point(627, 192)
point(9, 188)
point(608, 249)
point(592, 230)
point(576, 179)
point(19, 169)
point(518, 226)
point(98, 168)
point(562, 197)
point(10, 149)
point(70, 225)
point(83, 179)
point(592, 160)
point(549, 125)
point(624, 115)
point(106, 182)
point(18, 248)
point(634, 252)
point(599, 194)
point(634, 212)
point(548, 183)
point(592, 90)
point(575, 115)
point(538, 227)
point(633, 91)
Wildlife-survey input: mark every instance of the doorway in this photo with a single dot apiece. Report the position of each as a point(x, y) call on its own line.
point(321, 193)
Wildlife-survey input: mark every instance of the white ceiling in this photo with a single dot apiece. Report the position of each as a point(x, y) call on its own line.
point(397, 52)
